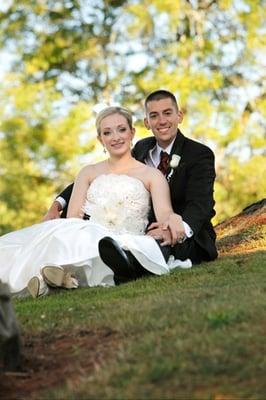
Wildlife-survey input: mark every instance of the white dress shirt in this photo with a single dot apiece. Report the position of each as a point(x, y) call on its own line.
point(153, 160)
point(61, 201)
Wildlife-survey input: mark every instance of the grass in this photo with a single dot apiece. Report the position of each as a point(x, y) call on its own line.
point(193, 334)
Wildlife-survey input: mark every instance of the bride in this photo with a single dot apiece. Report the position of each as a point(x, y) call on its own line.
point(116, 194)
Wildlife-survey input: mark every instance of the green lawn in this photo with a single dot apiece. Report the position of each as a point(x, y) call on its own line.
point(193, 334)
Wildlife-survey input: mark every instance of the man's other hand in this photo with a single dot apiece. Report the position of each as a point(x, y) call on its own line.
point(53, 212)
point(156, 231)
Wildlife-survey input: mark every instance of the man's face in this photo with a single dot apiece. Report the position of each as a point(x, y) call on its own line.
point(162, 117)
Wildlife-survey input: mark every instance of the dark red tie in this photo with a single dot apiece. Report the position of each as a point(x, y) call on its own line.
point(164, 162)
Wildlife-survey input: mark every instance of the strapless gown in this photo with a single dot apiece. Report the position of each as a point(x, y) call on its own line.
point(118, 206)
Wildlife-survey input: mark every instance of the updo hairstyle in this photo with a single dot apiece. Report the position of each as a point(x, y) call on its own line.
point(106, 112)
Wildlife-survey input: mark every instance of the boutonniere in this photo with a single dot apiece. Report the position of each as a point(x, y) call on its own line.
point(173, 164)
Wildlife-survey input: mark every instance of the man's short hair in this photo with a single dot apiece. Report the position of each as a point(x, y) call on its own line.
point(159, 95)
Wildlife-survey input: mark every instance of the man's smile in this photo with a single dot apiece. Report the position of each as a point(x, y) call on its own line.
point(164, 129)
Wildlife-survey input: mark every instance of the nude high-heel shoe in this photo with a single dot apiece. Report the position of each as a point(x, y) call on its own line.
point(56, 276)
point(37, 287)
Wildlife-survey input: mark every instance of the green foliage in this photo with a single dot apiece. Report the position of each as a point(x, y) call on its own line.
point(37, 147)
point(239, 184)
point(70, 55)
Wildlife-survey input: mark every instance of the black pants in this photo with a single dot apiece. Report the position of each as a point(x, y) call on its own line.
point(190, 249)
point(139, 269)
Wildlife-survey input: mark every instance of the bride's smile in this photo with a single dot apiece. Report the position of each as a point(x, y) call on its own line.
point(117, 145)
point(116, 134)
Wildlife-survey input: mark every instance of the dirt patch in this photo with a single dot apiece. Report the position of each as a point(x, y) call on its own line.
point(51, 361)
point(243, 233)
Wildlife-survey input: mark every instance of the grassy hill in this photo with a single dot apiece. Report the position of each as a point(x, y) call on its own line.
point(193, 334)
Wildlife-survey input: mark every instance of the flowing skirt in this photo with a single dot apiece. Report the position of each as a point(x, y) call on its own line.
point(73, 244)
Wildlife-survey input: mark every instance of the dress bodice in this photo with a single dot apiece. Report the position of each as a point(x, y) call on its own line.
point(119, 202)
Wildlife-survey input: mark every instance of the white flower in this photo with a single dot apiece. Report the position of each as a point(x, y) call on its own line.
point(175, 160)
point(173, 164)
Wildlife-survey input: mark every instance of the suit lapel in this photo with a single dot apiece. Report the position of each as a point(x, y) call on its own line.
point(176, 149)
point(146, 147)
point(178, 144)
point(149, 144)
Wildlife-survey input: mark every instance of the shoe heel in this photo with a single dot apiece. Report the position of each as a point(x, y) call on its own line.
point(33, 287)
point(53, 276)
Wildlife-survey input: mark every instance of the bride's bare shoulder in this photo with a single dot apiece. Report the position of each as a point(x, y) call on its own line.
point(93, 170)
point(149, 175)
point(151, 170)
point(142, 167)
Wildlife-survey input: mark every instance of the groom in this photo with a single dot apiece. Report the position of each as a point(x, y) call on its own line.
point(189, 168)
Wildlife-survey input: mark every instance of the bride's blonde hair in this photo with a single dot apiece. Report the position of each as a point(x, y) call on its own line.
point(106, 112)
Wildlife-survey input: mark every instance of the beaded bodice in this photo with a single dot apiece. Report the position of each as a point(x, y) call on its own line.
point(119, 202)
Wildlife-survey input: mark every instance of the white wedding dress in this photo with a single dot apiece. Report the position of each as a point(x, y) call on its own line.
point(118, 206)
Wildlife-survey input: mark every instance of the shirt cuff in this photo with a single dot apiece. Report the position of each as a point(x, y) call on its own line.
point(61, 201)
point(188, 230)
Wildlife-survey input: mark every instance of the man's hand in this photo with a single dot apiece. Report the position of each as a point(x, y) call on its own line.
point(164, 236)
point(169, 233)
point(53, 212)
point(176, 227)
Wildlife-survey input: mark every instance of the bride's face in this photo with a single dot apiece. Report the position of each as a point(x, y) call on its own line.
point(116, 134)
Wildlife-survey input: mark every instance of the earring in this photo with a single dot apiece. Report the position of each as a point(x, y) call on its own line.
point(104, 150)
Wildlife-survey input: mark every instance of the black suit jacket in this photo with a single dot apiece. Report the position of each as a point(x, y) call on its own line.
point(66, 194)
point(191, 187)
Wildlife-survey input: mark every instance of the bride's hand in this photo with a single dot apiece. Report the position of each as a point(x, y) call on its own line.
point(176, 227)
